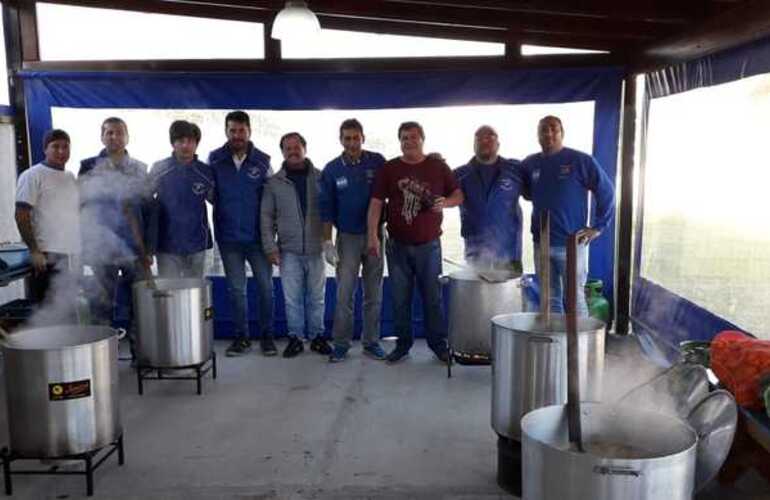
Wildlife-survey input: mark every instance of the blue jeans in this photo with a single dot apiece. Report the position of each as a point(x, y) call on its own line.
point(303, 278)
point(420, 264)
point(234, 258)
point(354, 256)
point(559, 277)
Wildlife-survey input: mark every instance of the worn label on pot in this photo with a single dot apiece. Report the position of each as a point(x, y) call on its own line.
point(69, 390)
point(208, 313)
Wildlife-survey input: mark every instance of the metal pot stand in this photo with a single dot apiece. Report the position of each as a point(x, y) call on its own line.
point(91, 461)
point(143, 372)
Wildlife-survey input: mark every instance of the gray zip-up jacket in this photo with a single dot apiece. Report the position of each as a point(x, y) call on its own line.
point(281, 215)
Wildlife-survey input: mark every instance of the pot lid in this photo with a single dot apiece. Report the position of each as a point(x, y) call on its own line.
point(674, 392)
point(714, 420)
point(486, 275)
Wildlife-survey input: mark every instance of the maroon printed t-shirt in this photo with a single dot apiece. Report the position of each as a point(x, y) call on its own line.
point(410, 190)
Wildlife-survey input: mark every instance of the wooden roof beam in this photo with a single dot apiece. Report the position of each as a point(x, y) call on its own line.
point(655, 11)
point(519, 22)
point(742, 24)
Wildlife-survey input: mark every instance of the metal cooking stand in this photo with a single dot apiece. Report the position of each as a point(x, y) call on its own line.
point(201, 369)
point(88, 457)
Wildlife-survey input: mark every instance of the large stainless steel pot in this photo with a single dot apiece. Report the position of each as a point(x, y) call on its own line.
point(630, 454)
point(62, 386)
point(174, 322)
point(472, 304)
point(529, 365)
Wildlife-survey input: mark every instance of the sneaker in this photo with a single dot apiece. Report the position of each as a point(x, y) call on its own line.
point(339, 353)
point(320, 346)
point(267, 346)
point(397, 354)
point(374, 351)
point(239, 347)
point(294, 347)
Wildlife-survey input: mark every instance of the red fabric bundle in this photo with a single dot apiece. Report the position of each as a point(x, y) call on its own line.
point(740, 361)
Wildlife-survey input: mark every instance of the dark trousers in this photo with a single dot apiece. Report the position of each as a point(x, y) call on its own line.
point(55, 291)
point(40, 283)
point(420, 265)
point(111, 278)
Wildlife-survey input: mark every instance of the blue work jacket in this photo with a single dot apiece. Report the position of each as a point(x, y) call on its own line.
point(180, 192)
point(560, 184)
point(490, 216)
point(238, 194)
point(106, 190)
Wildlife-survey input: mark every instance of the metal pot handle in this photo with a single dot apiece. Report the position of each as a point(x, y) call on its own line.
point(443, 280)
point(616, 471)
point(537, 338)
point(161, 294)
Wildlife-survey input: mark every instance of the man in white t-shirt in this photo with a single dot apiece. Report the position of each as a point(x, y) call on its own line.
point(47, 207)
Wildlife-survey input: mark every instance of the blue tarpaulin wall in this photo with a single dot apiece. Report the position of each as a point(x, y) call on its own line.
point(295, 91)
point(660, 317)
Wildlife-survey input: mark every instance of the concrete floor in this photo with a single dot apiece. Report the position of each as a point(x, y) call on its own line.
point(301, 428)
point(305, 429)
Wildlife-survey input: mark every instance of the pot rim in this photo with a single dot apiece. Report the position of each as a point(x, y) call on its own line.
point(95, 334)
point(506, 322)
point(170, 284)
point(586, 456)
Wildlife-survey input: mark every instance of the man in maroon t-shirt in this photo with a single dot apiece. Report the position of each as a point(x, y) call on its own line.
point(417, 188)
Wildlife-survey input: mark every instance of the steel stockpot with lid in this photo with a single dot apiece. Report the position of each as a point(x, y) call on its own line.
point(174, 322)
point(62, 386)
point(529, 365)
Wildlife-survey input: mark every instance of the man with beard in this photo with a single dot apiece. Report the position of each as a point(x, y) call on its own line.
point(241, 172)
point(560, 180)
point(490, 215)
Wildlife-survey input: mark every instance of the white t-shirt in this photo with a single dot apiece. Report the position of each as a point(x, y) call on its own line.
point(53, 196)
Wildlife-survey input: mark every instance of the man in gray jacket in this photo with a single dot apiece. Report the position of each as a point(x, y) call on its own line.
point(291, 238)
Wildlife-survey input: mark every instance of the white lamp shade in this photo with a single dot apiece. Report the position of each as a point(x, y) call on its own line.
point(295, 20)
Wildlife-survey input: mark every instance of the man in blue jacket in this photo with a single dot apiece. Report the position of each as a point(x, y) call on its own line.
point(111, 190)
point(181, 185)
point(490, 215)
point(559, 180)
point(240, 172)
point(346, 185)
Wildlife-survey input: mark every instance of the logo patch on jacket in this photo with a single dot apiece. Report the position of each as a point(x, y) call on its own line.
point(199, 188)
point(564, 171)
point(535, 175)
point(342, 182)
point(253, 172)
point(506, 184)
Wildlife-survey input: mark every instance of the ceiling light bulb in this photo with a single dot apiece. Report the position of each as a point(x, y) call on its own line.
point(295, 20)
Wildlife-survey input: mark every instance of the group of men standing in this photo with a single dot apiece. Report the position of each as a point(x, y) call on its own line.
point(286, 219)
